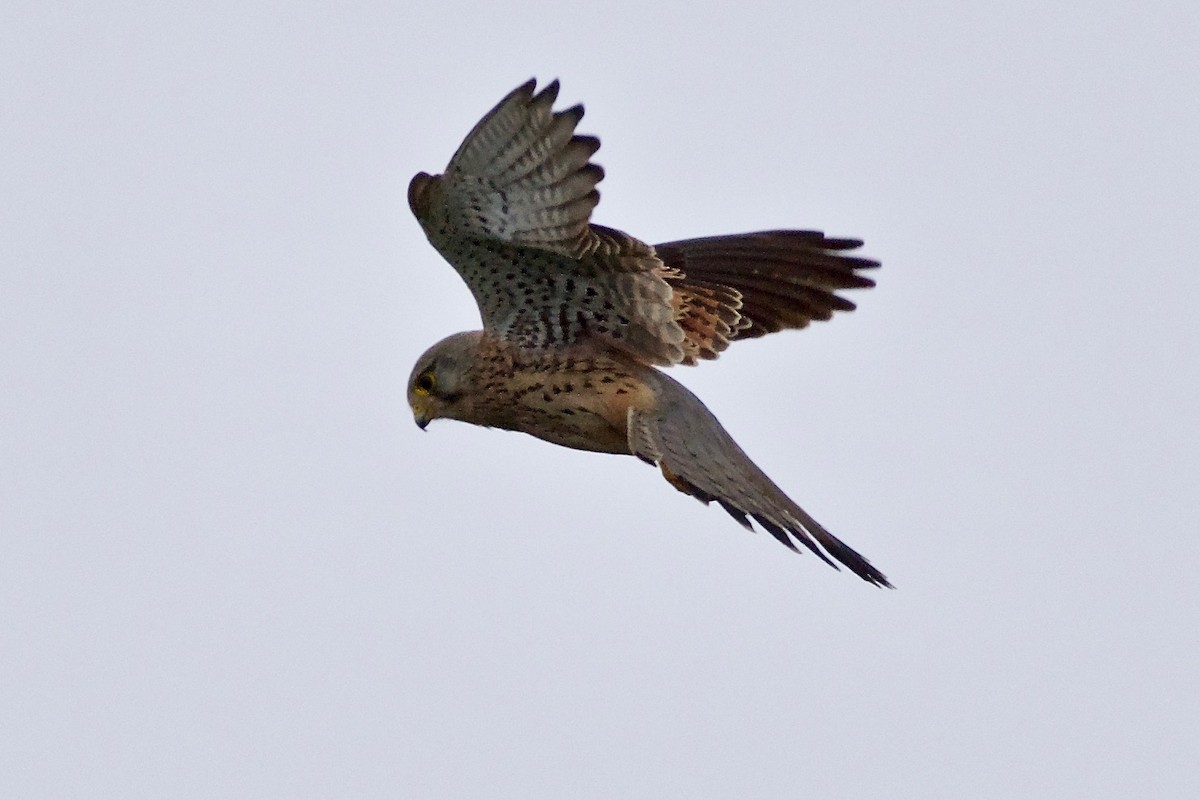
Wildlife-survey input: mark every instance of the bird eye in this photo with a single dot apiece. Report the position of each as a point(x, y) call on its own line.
point(424, 383)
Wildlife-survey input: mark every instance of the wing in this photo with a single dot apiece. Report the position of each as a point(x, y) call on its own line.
point(785, 279)
point(521, 176)
point(511, 215)
point(699, 458)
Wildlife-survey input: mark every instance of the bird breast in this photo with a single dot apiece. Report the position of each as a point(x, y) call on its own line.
point(579, 400)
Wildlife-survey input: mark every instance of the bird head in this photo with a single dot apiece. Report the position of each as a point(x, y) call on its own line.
point(439, 383)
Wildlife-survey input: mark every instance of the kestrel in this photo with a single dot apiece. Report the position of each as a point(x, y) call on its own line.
point(576, 316)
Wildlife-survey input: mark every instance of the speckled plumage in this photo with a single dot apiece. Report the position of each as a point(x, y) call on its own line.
point(577, 316)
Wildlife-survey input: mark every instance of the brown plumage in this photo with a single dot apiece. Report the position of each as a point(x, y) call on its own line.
point(576, 316)
point(785, 279)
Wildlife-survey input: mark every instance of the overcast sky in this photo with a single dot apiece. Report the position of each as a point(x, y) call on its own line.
point(231, 566)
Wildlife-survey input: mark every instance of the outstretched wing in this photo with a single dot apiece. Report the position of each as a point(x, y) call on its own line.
point(699, 458)
point(521, 176)
point(785, 279)
point(512, 215)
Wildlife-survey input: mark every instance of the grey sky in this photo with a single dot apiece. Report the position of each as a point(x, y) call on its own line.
point(231, 566)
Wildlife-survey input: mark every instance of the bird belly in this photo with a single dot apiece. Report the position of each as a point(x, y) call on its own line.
point(575, 400)
point(586, 432)
point(575, 421)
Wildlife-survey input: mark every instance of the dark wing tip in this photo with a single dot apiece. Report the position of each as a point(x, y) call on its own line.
point(590, 143)
point(549, 93)
point(860, 281)
point(856, 563)
point(736, 513)
point(595, 171)
point(575, 112)
point(525, 90)
point(843, 553)
point(787, 534)
point(780, 535)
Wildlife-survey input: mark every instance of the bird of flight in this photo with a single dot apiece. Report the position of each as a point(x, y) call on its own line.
point(577, 317)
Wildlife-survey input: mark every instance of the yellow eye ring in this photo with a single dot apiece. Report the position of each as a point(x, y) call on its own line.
point(424, 383)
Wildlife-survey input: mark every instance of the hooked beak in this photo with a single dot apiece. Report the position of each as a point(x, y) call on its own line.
point(422, 412)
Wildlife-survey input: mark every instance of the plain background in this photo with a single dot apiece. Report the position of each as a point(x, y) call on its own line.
point(231, 566)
